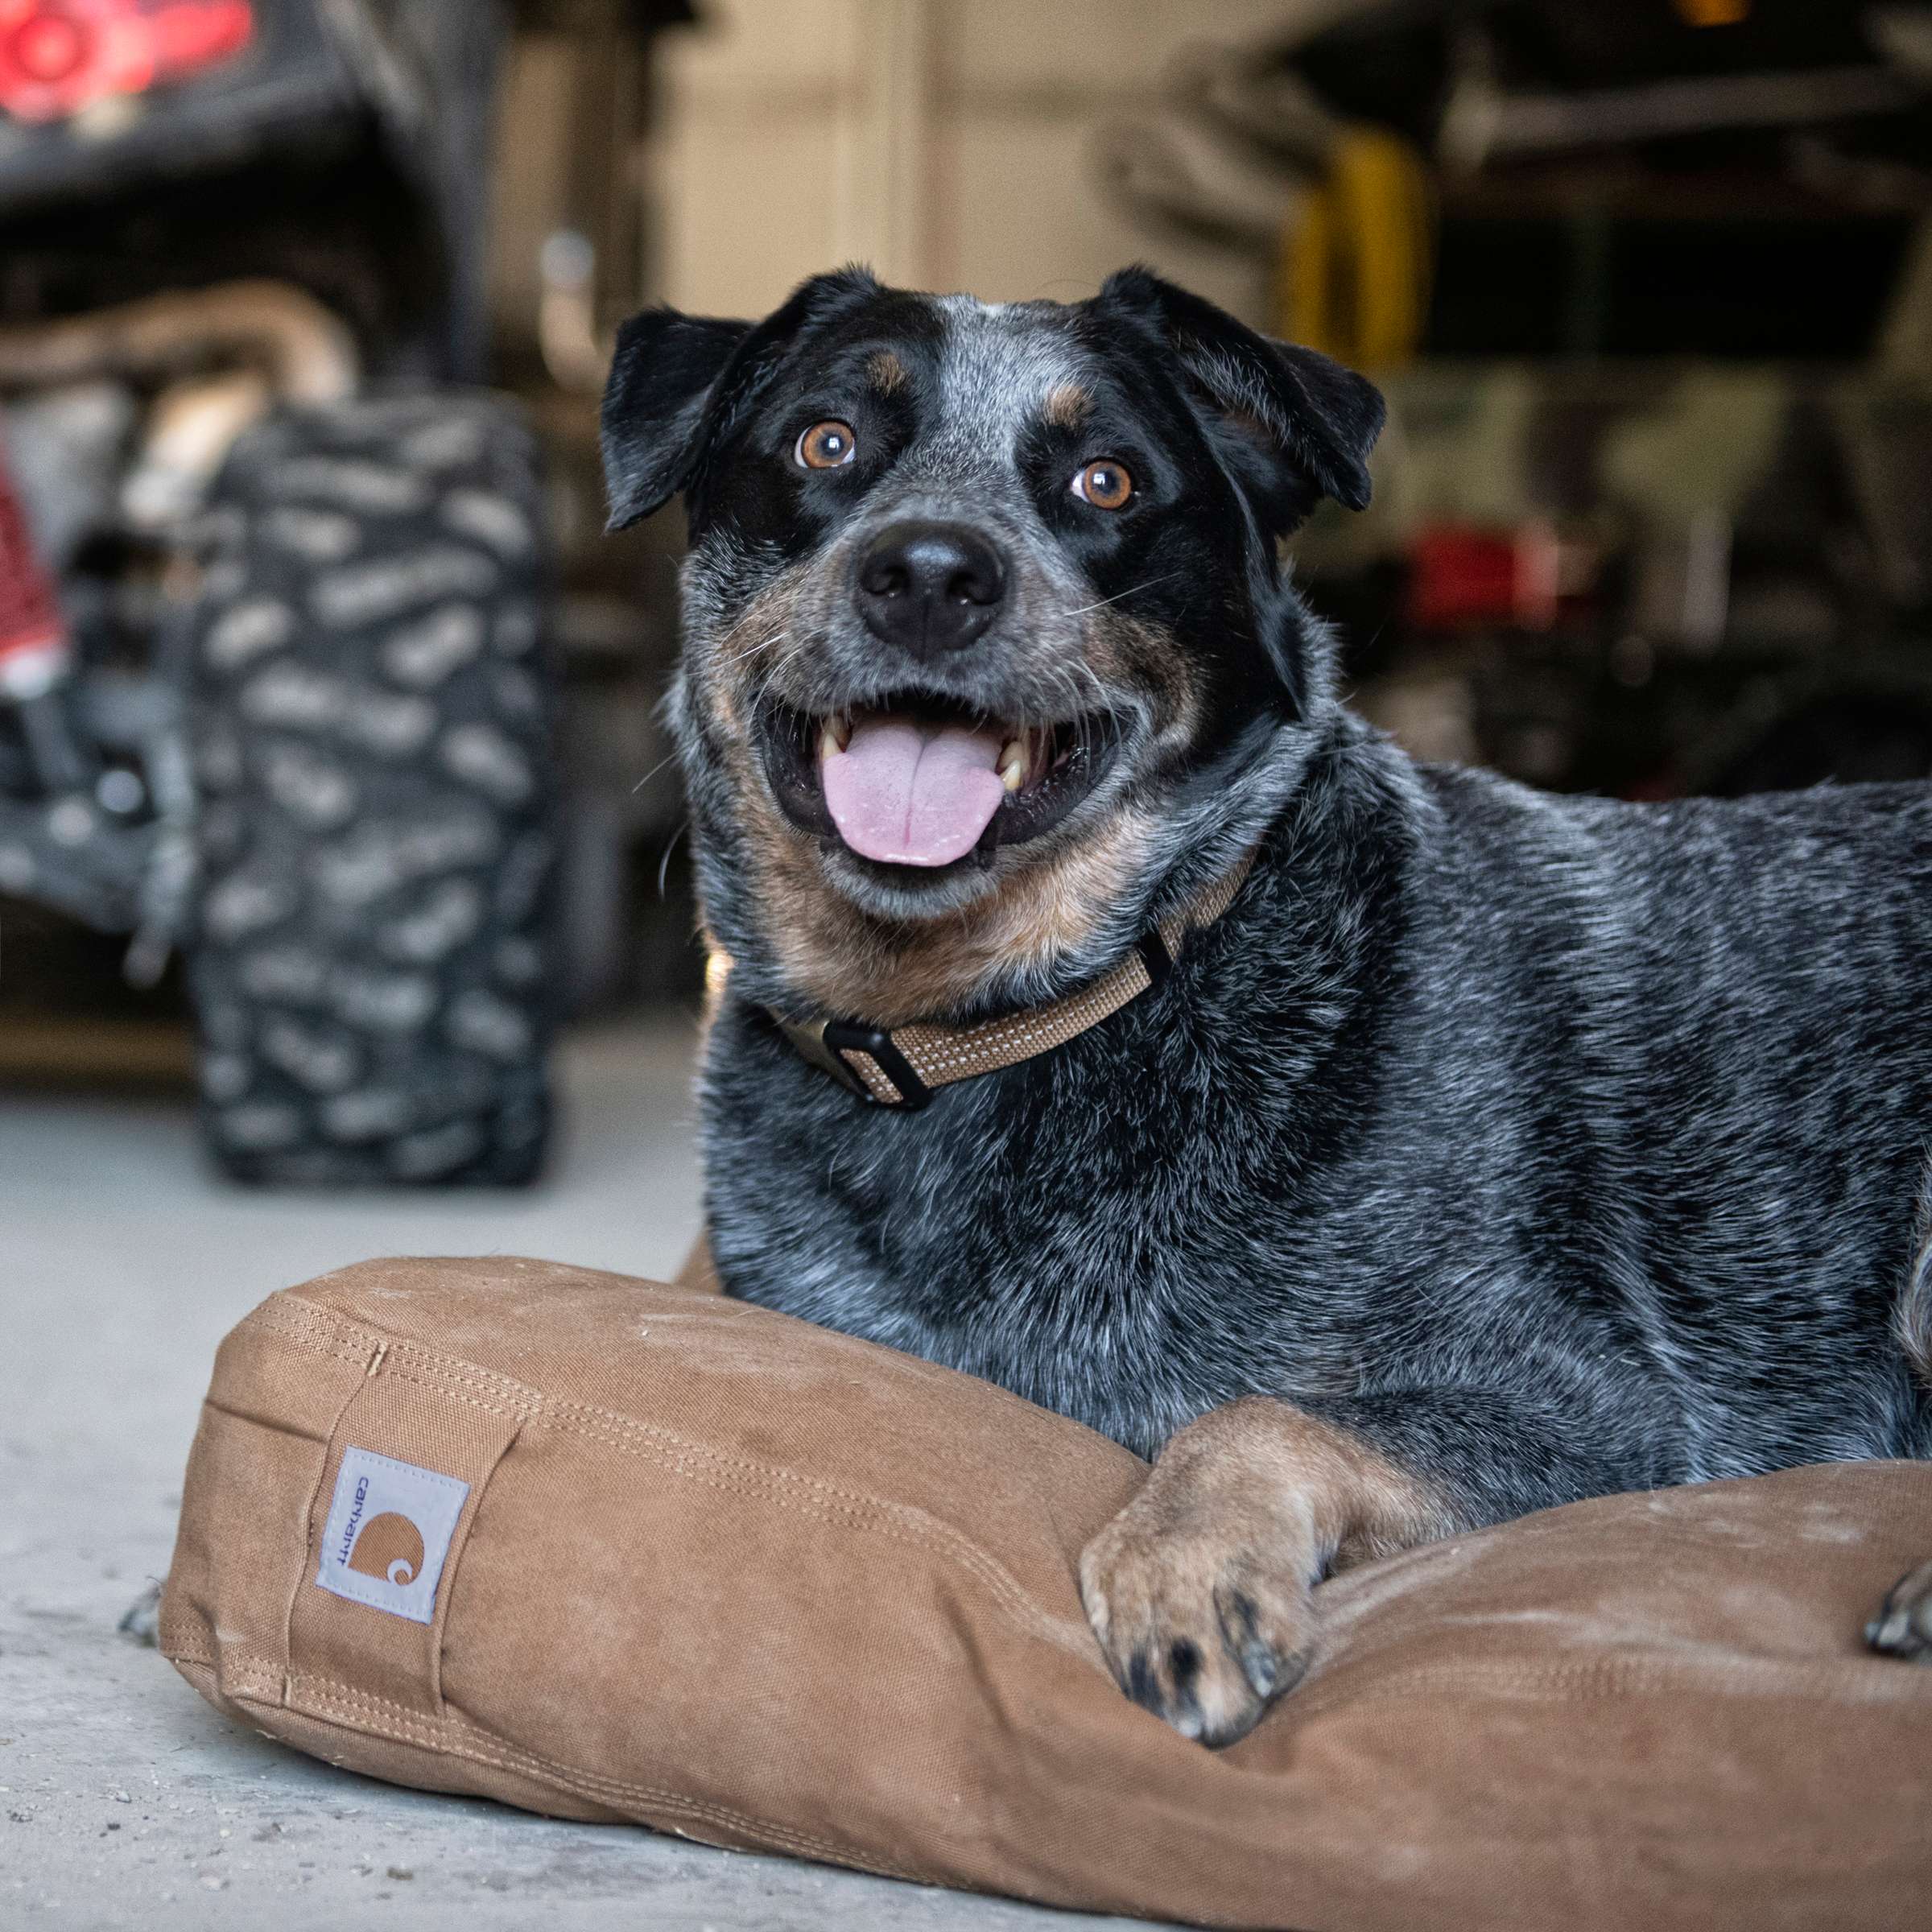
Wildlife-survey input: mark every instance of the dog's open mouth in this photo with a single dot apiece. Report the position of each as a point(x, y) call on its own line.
point(925, 782)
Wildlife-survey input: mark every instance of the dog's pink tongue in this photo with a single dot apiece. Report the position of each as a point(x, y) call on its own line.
point(913, 794)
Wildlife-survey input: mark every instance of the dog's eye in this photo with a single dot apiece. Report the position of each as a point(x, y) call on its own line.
point(826, 445)
point(1105, 484)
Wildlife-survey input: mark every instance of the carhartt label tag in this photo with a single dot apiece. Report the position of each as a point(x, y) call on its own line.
point(388, 1533)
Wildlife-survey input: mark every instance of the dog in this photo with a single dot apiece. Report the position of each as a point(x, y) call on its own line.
point(1386, 1151)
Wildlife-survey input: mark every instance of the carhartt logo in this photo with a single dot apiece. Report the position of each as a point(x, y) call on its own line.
point(389, 1531)
point(391, 1547)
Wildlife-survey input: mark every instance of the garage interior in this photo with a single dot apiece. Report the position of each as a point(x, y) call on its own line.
point(1649, 290)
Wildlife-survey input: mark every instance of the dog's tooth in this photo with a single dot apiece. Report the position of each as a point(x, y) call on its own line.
point(1015, 762)
point(833, 737)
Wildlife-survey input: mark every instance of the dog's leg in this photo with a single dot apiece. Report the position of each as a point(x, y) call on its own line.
point(1199, 1589)
point(1903, 1627)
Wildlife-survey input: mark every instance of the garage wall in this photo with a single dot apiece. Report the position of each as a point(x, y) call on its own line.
point(948, 142)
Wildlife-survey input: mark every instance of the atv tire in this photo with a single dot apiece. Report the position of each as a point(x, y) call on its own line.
point(370, 720)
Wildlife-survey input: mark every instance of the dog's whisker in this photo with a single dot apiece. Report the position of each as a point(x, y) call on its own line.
point(755, 648)
point(670, 758)
point(670, 845)
point(779, 649)
point(776, 671)
point(1133, 590)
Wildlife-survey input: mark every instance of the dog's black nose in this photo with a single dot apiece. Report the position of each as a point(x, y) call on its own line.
point(930, 587)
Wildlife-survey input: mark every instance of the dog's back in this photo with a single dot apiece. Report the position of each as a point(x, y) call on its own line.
point(1701, 1075)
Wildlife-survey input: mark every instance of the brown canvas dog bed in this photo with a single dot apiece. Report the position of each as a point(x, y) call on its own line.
point(615, 1550)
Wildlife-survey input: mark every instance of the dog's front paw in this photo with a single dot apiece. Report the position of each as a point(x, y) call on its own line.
point(1903, 1627)
point(141, 1619)
point(1200, 1624)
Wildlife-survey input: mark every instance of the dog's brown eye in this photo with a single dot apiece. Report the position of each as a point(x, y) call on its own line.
point(1106, 485)
point(826, 445)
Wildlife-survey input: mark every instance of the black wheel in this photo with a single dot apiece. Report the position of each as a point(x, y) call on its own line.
point(370, 714)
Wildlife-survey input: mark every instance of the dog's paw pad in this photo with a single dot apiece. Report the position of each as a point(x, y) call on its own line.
point(1199, 1635)
point(1903, 1627)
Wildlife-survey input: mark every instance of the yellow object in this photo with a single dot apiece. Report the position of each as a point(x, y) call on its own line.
point(1357, 254)
point(1714, 13)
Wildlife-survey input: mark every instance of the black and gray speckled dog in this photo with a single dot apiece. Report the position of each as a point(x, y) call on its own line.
point(1492, 1150)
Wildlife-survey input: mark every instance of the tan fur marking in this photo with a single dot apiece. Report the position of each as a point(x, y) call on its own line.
point(885, 372)
point(1362, 1506)
point(743, 660)
point(845, 962)
point(1068, 406)
point(1246, 1510)
point(1137, 652)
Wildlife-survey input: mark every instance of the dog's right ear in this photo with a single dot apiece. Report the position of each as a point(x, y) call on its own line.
point(666, 366)
point(678, 382)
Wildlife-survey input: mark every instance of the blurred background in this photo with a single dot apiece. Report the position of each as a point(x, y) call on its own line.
point(331, 786)
point(339, 853)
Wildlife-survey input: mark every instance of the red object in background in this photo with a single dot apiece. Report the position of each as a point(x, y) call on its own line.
point(58, 56)
point(1458, 577)
point(33, 636)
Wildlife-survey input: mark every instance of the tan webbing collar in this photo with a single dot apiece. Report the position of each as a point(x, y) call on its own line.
point(900, 1068)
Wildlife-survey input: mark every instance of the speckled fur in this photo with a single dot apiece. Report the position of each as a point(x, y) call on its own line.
point(1549, 1145)
point(1559, 1146)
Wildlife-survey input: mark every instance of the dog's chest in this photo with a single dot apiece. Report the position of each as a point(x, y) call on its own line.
point(1065, 1310)
point(1060, 1236)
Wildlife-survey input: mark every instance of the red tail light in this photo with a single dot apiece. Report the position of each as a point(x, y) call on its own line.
point(58, 56)
point(33, 639)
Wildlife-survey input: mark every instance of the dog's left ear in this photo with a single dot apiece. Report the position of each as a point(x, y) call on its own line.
point(1293, 425)
point(678, 382)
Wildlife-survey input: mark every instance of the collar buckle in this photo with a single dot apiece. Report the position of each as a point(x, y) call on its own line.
point(825, 1043)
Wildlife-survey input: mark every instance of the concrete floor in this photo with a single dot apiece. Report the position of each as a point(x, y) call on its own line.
point(125, 1801)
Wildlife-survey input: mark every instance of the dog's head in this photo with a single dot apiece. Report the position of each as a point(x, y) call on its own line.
point(986, 639)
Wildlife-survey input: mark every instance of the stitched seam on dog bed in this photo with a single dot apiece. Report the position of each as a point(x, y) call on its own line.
point(437, 1373)
point(871, 1514)
point(450, 1371)
point(918, 1524)
point(234, 1670)
point(1600, 1677)
point(607, 1426)
point(461, 1737)
point(529, 1401)
point(611, 1419)
point(370, 1714)
point(271, 1679)
point(328, 1333)
point(437, 1386)
point(340, 1340)
point(438, 1370)
point(321, 1327)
